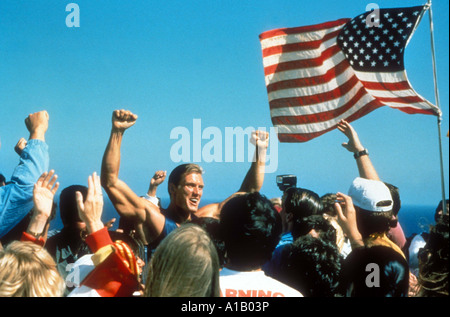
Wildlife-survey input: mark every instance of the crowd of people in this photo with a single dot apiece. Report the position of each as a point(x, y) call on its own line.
point(299, 245)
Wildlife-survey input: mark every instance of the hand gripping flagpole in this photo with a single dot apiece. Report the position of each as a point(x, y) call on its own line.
point(436, 95)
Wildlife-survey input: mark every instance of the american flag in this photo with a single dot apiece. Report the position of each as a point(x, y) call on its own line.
point(317, 75)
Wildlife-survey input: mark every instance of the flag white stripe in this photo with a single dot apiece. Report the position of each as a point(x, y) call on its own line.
point(420, 105)
point(392, 93)
point(394, 77)
point(319, 126)
point(313, 90)
point(329, 64)
point(297, 38)
point(298, 55)
point(323, 106)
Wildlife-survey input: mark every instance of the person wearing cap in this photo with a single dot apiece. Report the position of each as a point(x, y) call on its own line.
point(365, 215)
point(376, 190)
point(373, 203)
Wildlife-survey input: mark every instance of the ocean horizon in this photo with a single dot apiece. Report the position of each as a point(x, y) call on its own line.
point(412, 218)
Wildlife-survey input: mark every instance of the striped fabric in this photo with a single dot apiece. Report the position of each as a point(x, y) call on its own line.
point(317, 75)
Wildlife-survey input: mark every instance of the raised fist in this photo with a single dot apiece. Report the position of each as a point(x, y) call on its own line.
point(20, 146)
point(37, 124)
point(123, 119)
point(260, 139)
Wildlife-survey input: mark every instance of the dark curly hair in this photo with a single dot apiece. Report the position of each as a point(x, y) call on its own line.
point(312, 266)
point(251, 228)
point(433, 261)
point(316, 222)
point(385, 265)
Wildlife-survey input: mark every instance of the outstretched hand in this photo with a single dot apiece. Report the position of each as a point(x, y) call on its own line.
point(347, 218)
point(90, 211)
point(353, 144)
point(43, 193)
point(345, 210)
point(123, 119)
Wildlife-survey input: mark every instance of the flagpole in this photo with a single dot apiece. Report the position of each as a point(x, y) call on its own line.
point(436, 95)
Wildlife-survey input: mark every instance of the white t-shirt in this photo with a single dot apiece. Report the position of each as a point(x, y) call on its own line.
point(253, 284)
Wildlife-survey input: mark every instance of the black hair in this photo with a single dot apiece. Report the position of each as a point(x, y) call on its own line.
point(301, 202)
point(377, 271)
point(370, 222)
point(438, 212)
point(312, 266)
point(396, 202)
point(251, 228)
point(317, 222)
point(68, 204)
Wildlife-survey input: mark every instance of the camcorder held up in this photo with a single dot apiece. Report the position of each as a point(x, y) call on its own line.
point(286, 181)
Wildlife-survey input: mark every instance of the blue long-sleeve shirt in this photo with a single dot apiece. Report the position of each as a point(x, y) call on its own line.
point(16, 197)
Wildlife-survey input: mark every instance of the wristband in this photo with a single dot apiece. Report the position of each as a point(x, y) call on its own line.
point(360, 153)
point(152, 199)
point(36, 235)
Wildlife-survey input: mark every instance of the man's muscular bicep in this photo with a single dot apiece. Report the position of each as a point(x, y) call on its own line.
point(125, 201)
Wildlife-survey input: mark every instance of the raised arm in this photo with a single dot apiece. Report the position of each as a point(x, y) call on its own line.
point(43, 194)
point(16, 197)
point(157, 179)
point(126, 202)
point(116, 270)
point(365, 166)
point(254, 178)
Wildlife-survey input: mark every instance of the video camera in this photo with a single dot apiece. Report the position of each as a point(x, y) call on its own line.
point(286, 181)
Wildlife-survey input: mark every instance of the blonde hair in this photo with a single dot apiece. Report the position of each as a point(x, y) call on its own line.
point(185, 264)
point(28, 270)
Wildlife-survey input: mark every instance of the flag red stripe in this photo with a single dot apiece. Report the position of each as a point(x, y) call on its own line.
point(301, 46)
point(310, 81)
point(411, 110)
point(404, 100)
point(402, 85)
point(303, 137)
point(300, 137)
point(302, 29)
point(321, 116)
point(315, 99)
point(304, 63)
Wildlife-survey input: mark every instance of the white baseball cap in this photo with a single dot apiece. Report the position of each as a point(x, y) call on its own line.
point(370, 195)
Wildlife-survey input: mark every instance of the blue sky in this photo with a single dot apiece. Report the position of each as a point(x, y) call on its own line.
point(174, 61)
